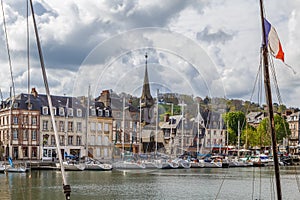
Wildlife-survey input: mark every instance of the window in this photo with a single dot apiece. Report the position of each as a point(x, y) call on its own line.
point(93, 126)
point(93, 111)
point(15, 120)
point(34, 120)
point(15, 134)
point(70, 126)
point(33, 135)
point(92, 140)
point(25, 135)
point(105, 152)
point(45, 125)
point(61, 111)
point(52, 125)
point(105, 127)
point(70, 140)
point(16, 105)
point(100, 112)
point(61, 126)
point(78, 140)
point(98, 152)
point(106, 113)
point(45, 110)
point(79, 113)
point(25, 151)
point(106, 141)
point(52, 140)
point(62, 140)
point(99, 142)
point(79, 127)
point(70, 112)
point(99, 126)
point(54, 110)
point(25, 119)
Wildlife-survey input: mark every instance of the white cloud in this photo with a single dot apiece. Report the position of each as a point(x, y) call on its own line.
point(228, 32)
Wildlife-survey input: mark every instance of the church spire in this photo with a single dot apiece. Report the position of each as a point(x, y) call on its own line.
point(146, 98)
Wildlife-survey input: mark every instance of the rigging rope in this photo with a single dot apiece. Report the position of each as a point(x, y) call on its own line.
point(8, 50)
point(281, 103)
point(223, 180)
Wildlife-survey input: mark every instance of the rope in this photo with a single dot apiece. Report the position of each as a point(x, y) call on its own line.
point(8, 51)
point(223, 180)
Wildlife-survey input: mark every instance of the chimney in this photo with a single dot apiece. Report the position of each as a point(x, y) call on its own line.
point(34, 92)
point(105, 98)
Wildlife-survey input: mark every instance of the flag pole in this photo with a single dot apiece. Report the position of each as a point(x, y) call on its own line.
point(269, 102)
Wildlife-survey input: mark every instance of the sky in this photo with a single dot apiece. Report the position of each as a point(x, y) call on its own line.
point(200, 48)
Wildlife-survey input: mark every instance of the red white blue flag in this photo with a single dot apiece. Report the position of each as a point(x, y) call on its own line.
point(273, 41)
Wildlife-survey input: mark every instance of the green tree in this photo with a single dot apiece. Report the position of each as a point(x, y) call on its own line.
point(231, 120)
point(281, 130)
point(250, 137)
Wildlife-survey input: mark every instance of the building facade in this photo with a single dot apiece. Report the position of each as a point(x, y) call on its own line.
point(19, 128)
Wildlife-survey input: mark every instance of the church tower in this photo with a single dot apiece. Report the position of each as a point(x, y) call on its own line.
point(146, 99)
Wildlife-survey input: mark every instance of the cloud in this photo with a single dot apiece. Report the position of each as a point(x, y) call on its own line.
point(228, 32)
point(207, 35)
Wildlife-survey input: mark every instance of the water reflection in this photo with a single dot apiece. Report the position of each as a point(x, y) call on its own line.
point(237, 183)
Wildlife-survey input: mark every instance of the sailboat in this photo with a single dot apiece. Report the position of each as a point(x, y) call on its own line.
point(13, 168)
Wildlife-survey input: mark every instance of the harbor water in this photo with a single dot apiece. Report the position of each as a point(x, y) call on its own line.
point(201, 183)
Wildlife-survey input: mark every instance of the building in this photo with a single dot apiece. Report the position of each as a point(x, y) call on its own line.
point(215, 133)
point(126, 126)
point(69, 117)
point(294, 139)
point(254, 118)
point(19, 128)
point(100, 127)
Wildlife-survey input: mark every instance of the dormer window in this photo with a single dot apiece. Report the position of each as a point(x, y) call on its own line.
point(106, 113)
point(54, 110)
point(93, 111)
point(100, 112)
point(45, 110)
point(61, 111)
point(79, 113)
point(70, 112)
point(16, 105)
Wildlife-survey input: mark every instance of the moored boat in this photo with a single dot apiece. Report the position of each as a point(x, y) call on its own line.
point(97, 165)
point(72, 166)
point(128, 165)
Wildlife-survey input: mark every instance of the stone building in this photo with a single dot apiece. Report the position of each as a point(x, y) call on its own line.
point(19, 128)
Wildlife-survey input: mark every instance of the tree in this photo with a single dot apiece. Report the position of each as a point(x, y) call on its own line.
point(281, 129)
point(250, 137)
point(231, 119)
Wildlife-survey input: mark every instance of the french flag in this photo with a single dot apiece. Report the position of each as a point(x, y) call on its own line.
point(273, 41)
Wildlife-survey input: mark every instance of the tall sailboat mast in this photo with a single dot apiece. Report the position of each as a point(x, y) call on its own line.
point(269, 102)
point(66, 186)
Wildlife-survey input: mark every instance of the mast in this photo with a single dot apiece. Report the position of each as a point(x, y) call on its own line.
point(198, 127)
point(269, 103)
point(156, 122)
point(87, 121)
point(66, 186)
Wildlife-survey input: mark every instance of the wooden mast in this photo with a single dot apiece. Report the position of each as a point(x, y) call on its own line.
point(269, 102)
